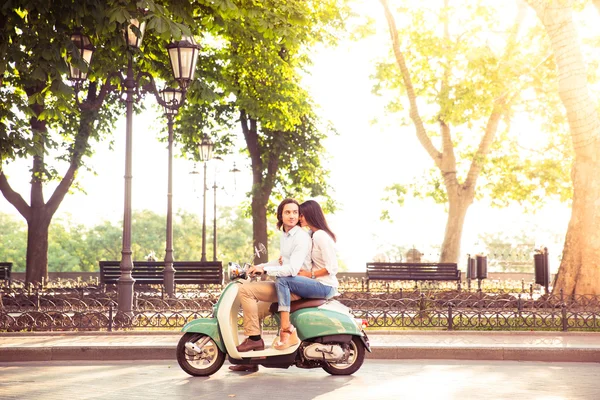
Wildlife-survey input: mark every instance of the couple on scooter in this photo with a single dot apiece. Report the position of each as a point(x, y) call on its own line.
point(306, 268)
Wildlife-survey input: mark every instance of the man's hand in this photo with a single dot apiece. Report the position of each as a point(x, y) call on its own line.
point(255, 269)
point(305, 273)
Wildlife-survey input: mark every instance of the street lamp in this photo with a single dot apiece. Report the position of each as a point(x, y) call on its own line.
point(215, 187)
point(185, 51)
point(235, 171)
point(86, 50)
point(174, 98)
point(205, 149)
point(215, 218)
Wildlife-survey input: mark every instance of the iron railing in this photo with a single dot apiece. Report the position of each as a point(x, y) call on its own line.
point(516, 307)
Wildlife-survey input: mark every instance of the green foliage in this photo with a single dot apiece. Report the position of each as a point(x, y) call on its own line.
point(528, 176)
point(396, 195)
point(250, 69)
point(66, 247)
point(13, 241)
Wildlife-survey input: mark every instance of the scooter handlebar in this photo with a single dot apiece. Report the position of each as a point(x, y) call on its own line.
point(238, 272)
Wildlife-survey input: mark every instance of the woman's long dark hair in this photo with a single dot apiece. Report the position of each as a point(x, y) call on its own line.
point(313, 214)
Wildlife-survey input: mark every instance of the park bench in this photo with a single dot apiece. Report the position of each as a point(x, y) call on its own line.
point(412, 272)
point(151, 272)
point(5, 270)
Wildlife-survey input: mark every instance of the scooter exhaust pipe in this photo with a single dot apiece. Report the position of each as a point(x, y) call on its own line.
point(324, 352)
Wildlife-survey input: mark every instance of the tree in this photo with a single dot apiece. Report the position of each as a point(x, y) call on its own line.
point(579, 271)
point(257, 77)
point(461, 84)
point(37, 115)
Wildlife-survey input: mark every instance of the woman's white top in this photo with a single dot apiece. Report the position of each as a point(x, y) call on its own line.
point(324, 256)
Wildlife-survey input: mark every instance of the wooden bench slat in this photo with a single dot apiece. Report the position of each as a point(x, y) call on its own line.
point(152, 272)
point(413, 271)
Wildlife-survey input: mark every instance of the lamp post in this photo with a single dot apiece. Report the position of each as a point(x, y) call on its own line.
point(215, 218)
point(205, 149)
point(174, 97)
point(183, 55)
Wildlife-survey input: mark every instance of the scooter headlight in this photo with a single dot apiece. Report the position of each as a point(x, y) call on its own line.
point(235, 271)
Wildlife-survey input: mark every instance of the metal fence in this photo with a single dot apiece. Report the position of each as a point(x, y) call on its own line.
point(439, 306)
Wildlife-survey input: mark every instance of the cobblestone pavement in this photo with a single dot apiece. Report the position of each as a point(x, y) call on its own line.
point(377, 379)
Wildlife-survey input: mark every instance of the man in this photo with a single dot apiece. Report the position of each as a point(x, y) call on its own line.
point(256, 297)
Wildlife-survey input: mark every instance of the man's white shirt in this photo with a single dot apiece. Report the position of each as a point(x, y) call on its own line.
point(295, 249)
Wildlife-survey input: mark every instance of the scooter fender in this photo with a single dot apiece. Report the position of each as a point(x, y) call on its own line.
point(315, 322)
point(207, 326)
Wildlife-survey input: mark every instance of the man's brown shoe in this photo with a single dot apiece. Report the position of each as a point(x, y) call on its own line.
point(249, 345)
point(244, 368)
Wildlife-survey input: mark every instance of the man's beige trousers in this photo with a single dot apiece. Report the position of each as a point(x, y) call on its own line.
point(255, 299)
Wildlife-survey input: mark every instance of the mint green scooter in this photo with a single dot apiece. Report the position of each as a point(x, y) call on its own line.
point(331, 338)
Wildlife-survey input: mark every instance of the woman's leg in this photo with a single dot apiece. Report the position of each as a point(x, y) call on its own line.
point(308, 288)
point(284, 317)
point(283, 293)
point(287, 333)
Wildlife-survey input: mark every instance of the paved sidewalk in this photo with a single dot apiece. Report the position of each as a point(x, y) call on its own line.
point(456, 345)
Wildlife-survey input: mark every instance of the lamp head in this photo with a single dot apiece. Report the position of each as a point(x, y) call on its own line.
point(172, 99)
point(205, 149)
point(86, 51)
point(183, 55)
point(135, 33)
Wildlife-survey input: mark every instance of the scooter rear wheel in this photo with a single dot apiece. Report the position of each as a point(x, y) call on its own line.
point(355, 361)
point(205, 363)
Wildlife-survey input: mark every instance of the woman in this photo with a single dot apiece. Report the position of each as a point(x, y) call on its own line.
point(320, 282)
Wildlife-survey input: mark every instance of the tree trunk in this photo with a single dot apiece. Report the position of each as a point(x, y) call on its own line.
point(37, 246)
point(579, 271)
point(259, 226)
point(458, 206)
point(263, 181)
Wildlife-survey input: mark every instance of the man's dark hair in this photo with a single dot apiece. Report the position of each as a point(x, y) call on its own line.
point(280, 211)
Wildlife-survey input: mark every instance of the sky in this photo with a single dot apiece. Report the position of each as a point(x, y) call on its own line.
point(364, 158)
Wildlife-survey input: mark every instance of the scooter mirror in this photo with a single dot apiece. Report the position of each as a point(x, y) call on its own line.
point(258, 249)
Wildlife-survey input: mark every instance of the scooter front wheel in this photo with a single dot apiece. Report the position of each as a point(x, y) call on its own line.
point(355, 360)
point(199, 355)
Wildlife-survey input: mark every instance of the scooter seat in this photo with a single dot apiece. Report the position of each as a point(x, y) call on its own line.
point(299, 304)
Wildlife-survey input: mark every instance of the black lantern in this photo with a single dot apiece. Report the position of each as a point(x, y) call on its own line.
point(206, 149)
point(183, 55)
point(86, 51)
point(135, 33)
point(172, 99)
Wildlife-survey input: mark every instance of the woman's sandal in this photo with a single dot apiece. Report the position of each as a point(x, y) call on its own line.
point(287, 338)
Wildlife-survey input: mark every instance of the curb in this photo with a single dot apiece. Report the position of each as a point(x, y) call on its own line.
point(120, 353)
point(86, 353)
point(486, 353)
